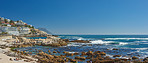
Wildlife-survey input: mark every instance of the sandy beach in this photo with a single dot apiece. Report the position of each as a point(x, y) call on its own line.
point(6, 59)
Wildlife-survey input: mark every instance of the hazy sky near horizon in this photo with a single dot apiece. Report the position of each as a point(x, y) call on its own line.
point(80, 16)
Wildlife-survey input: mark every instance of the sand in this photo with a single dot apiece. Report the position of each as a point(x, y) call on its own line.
point(6, 59)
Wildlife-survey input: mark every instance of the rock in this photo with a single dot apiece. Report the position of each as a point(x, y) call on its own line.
point(89, 53)
point(107, 58)
point(27, 60)
point(80, 41)
point(114, 49)
point(10, 59)
point(69, 54)
point(145, 59)
point(96, 52)
point(72, 60)
point(83, 53)
point(102, 53)
point(77, 57)
point(12, 54)
point(88, 57)
point(55, 49)
point(30, 52)
point(80, 58)
point(76, 53)
point(116, 55)
point(134, 58)
point(48, 51)
point(54, 52)
point(89, 44)
point(66, 40)
point(64, 52)
point(63, 43)
point(55, 56)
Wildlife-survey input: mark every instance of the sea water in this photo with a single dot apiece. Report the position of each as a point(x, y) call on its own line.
point(127, 45)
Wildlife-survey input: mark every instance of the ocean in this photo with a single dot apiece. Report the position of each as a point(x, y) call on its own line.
point(127, 45)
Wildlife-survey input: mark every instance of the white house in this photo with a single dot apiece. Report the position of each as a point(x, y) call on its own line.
point(20, 22)
point(8, 20)
point(1, 19)
point(8, 25)
point(10, 30)
point(24, 30)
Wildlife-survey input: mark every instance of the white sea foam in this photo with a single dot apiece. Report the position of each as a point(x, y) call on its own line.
point(101, 42)
point(73, 44)
point(107, 42)
point(140, 48)
point(123, 43)
point(141, 41)
point(126, 38)
point(144, 43)
point(80, 38)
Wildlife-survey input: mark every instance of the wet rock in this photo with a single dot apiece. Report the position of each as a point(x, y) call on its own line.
point(72, 60)
point(30, 52)
point(54, 52)
point(80, 41)
point(134, 58)
point(55, 49)
point(96, 52)
point(69, 54)
point(116, 55)
point(80, 58)
point(76, 53)
point(66, 40)
point(89, 53)
point(89, 44)
point(83, 53)
point(63, 43)
point(102, 53)
point(55, 56)
point(49, 51)
point(64, 52)
point(88, 57)
point(58, 51)
point(107, 58)
point(145, 59)
point(114, 49)
point(77, 57)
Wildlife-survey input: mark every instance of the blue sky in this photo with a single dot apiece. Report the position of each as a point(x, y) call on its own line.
point(81, 16)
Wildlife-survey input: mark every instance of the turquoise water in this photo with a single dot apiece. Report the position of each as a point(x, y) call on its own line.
point(36, 37)
point(128, 45)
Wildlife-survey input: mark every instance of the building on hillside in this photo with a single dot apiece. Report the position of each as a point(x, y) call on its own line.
point(20, 23)
point(8, 20)
point(8, 25)
point(1, 19)
point(10, 30)
point(24, 30)
point(0, 31)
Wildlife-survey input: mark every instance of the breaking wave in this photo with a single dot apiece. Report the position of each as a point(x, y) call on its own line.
point(107, 42)
point(126, 38)
point(72, 37)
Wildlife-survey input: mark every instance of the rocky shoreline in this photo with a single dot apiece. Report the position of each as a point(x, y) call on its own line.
point(13, 42)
